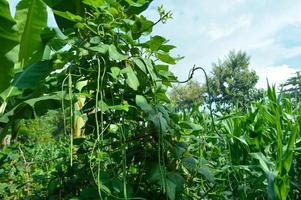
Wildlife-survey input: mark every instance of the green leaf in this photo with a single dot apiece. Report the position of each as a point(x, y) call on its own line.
point(131, 80)
point(115, 71)
point(140, 64)
point(189, 163)
point(31, 17)
point(94, 3)
point(206, 173)
point(167, 48)
point(141, 26)
point(29, 78)
point(124, 107)
point(155, 42)
point(9, 40)
point(155, 174)
point(103, 49)
point(68, 15)
point(171, 189)
point(137, 6)
point(95, 40)
point(177, 179)
point(288, 160)
point(138, 3)
point(33, 101)
point(166, 58)
point(115, 55)
point(32, 75)
point(164, 68)
point(190, 125)
point(262, 160)
point(150, 68)
point(282, 186)
point(75, 8)
point(271, 190)
point(143, 104)
point(103, 106)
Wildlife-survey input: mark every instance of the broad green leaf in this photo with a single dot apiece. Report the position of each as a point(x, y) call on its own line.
point(29, 78)
point(115, 71)
point(95, 40)
point(140, 64)
point(155, 42)
point(68, 15)
point(189, 163)
point(167, 48)
point(155, 174)
point(103, 106)
point(5, 117)
point(103, 49)
point(32, 75)
point(31, 102)
point(31, 17)
point(131, 80)
point(177, 179)
point(10, 92)
point(143, 104)
point(150, 68)
point(65, 8)
point(161, 96)
point(94, 3)
point(111, 49)
point(141, 26)
point(206, 173)
point(138, 3)
point(190, 125)
point(124, 107)
point(9, 40)
point(115, 55)
point(162, 67)
point(138, 6)
point(166, 58)
point(171, 189)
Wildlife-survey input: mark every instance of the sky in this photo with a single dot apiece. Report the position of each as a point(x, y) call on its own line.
point(206, 30)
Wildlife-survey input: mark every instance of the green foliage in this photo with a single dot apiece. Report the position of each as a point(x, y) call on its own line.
point(31, 18)
point(111, 133)
point(292, 87)
point(9, 39)
point(232, 81)
point(188, 95)
point(93, 120)
point(253, 153)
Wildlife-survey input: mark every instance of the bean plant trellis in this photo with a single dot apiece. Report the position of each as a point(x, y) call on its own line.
point(112, 80)
point(99, 81)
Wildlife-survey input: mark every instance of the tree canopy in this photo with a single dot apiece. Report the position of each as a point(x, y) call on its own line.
point(185, 96)
point(232, 82)
point(292, 86)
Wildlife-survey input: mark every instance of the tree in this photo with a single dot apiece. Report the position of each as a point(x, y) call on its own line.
point(185, 96)
point(232, 82)
point(292, 86)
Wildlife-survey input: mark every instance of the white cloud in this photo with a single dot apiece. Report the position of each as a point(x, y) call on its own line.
point(274, 74)
point(205, 30)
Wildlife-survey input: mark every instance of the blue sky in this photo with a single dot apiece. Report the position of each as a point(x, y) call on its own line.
point(205, 30)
